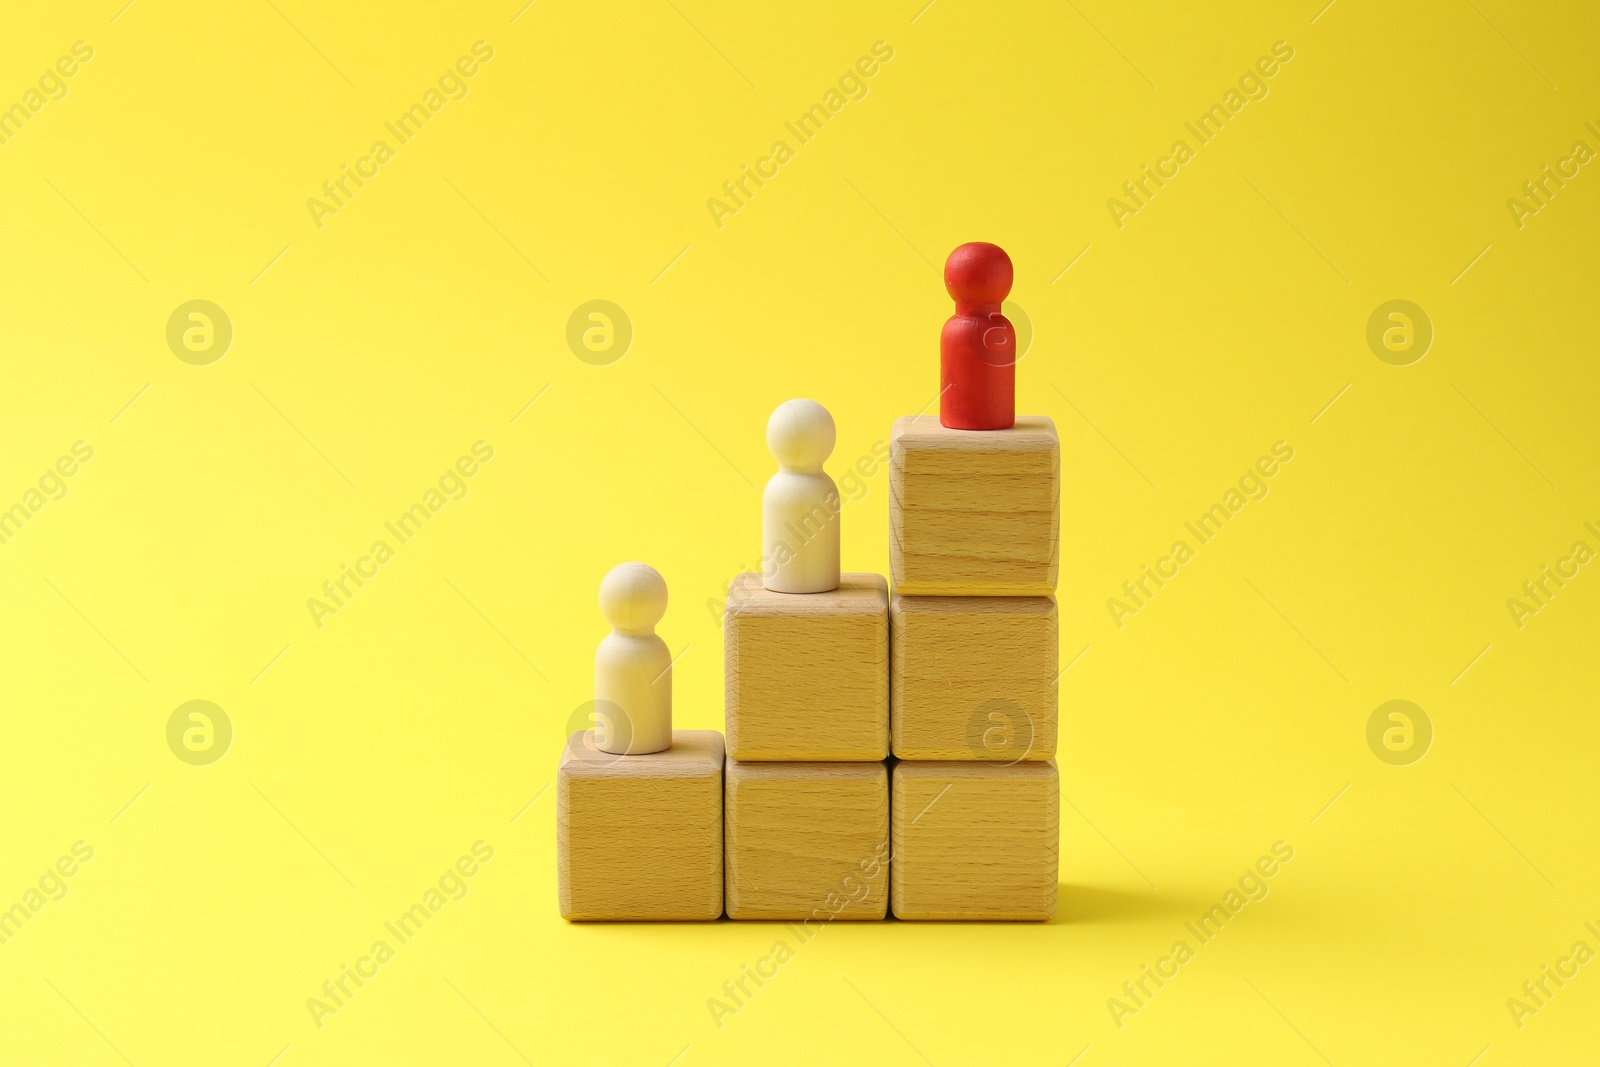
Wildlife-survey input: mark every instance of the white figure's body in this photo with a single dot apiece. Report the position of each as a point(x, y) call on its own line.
point(800, 507)
point(632, 667)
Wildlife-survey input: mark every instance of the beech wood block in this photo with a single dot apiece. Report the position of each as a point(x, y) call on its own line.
point(975, 841)
point(973, 678)
point(806, 675)
point(640, 837)
point(807, 839)
point(974, 512)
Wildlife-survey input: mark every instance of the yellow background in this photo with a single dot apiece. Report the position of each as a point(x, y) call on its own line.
point(370, 353)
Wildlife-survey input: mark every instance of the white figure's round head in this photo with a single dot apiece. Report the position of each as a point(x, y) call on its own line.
point(633, 596)
point(800, 433)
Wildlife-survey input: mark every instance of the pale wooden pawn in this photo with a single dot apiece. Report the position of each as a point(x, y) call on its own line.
point(800, 507)
point(632, 667)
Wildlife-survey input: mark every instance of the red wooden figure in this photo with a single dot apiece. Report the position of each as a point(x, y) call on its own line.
point(978, 348)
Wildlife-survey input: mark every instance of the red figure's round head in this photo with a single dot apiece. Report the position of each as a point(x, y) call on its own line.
point(978, 273)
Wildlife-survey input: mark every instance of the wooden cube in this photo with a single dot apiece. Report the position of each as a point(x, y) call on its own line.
point(807, 840)
point(975, 841)
point(974, 512)
point(973, 678)
point(640, 837)
point(806, 675)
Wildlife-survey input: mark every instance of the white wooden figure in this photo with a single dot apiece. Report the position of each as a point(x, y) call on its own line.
point(800, 508)
point(632, 667)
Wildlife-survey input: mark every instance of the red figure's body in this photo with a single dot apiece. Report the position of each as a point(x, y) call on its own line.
point(978, 348)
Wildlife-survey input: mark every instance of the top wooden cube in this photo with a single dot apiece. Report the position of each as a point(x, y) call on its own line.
point(974, 512)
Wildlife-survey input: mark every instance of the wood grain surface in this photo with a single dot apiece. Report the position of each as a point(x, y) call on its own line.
point(806, 676)
point(974, 512)
point(807, 840)
point(640, 837)
point(973, 678)
point(975, 841)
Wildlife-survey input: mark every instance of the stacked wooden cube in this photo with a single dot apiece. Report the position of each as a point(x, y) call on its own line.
point(898, 752)
point(883, 752)
point(806, 826)
point(974, 534)
point(639, 837)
